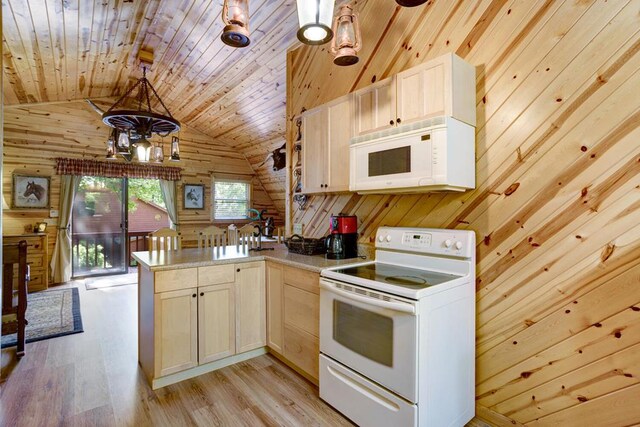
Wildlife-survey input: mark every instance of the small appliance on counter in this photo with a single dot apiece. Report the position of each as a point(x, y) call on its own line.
point(343, 241)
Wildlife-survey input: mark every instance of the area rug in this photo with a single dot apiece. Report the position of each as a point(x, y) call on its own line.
point(50, 314)
point(110, 281)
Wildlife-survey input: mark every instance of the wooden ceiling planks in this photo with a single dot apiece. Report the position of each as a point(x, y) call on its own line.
point(65, 51)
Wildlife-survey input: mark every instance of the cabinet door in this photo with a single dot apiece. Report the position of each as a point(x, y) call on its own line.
point(375, 107)
point(250, 306)
point(274, 306)
point(216, 322)
point(339, 122)
point(420, 92)
point(314, 133)
point(176, 331)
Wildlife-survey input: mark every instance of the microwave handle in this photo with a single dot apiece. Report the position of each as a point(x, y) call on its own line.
point(395, 306)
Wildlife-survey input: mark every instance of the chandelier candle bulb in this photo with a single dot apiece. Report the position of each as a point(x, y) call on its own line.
point(123, 143)
point(314, 17)
point(235, 15)
point(346, 43)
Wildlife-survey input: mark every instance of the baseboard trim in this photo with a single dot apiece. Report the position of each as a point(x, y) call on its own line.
point(203, 369)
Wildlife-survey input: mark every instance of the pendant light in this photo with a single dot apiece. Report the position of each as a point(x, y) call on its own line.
point(143, 150)
point(157, 153)
point(410, 3)
point(175, 149)
point(235, 15)
point(315, 18)
point(346, 43)
point(111, 145)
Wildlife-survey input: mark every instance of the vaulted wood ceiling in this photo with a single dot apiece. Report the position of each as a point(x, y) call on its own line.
point(58, 50)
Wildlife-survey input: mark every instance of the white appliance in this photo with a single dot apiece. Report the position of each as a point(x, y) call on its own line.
point(397, 335)
point(433, 155)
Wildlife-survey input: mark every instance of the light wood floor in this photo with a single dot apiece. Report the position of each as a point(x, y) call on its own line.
point(93, 379)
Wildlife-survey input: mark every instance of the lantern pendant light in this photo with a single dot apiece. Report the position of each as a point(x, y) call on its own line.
point(175, 149)
point(143, 150)
point(235, 15)
point(410, 3)
point(346, 43)
point(158, 152)
point(315, 18)
point(111, 145)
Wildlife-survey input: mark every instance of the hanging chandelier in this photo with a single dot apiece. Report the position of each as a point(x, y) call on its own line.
point(410, 3)
point(134, 122)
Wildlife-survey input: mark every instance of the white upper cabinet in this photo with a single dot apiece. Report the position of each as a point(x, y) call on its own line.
point(375, 107)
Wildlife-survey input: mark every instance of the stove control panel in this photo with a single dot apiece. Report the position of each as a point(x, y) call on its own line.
point(457, 243)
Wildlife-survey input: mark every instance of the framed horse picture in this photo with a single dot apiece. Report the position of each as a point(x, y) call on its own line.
point(30, 192)
point(194, 196)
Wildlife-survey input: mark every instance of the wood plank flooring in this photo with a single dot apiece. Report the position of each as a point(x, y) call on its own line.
point(93, 379)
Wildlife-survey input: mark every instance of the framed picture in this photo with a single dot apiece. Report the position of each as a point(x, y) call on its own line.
point(30, 192)
point(194, 196)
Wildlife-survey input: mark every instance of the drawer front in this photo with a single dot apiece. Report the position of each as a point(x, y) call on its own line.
point(35, 260)
point(173, 280)
point(302, 349)
point(302, 310)
point(37, 282)
point(216, 274)
point(303, 279)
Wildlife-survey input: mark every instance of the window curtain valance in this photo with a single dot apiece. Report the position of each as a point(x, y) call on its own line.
point(85, 167)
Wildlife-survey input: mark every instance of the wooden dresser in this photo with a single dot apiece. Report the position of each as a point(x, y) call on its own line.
point(37, 258)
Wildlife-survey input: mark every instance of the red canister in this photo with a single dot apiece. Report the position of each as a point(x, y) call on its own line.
point(344, 224)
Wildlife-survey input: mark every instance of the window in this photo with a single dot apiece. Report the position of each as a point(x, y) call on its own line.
point(231, 199)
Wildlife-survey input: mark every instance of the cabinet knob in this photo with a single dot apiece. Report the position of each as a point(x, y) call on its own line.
point(398, 120)
point(194, 295)
point(201, 294)
point(238, 270)
point(391, 122)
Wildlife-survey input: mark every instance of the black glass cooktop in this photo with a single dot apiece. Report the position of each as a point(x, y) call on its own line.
point(406, 277)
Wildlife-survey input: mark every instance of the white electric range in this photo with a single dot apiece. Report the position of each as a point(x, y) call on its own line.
point(397, 335)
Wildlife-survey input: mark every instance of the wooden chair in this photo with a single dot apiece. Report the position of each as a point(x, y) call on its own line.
point(14, 303)
point(165, 239)
point(246, 237)
point(212, 237)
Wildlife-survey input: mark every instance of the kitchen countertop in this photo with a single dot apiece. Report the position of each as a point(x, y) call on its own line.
point(193, 257)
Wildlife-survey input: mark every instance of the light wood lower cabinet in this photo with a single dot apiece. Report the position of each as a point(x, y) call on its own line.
point(251, 329)
point(176, 337)
point(185, 328)
point(294, 307)
point(216, 322)
point(275, 289)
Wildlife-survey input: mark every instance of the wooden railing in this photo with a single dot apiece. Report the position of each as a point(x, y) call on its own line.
point(102, 252)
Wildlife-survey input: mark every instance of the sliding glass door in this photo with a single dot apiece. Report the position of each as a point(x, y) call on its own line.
point(99, 227)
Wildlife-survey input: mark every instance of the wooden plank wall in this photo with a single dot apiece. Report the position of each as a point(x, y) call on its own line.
point(35, 135)
point(557, 202)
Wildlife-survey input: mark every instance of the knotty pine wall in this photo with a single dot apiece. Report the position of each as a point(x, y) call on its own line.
point(557, 204)
point(35, 135)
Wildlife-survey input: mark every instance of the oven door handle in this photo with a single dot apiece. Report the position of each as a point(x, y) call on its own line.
point(395, 306)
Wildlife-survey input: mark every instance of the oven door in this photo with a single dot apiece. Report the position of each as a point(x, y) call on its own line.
point(373, 333)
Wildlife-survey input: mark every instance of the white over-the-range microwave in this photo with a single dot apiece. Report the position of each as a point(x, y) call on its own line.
point(433, 155)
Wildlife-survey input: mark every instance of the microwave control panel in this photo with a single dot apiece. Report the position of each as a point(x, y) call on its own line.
point(457, 243)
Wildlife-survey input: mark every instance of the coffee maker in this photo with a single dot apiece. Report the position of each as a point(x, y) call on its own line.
point(343, 241)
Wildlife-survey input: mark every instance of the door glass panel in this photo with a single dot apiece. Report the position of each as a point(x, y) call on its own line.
point(367, 333)
point(97, 227)
point(390, 162)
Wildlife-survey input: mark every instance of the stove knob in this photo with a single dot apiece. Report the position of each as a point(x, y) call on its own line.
point(458, 245)
point(388, 238)
point(380, 239)
point(448, 243)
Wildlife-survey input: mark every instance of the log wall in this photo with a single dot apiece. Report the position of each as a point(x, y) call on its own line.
point(557, 202)
point(35, 135)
